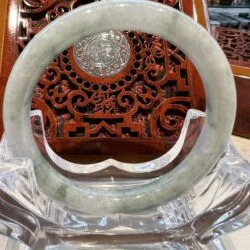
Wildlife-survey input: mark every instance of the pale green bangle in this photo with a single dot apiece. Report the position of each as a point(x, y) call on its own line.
point(139, 15)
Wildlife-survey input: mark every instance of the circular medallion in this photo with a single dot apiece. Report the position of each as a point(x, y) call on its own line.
point(102, 55)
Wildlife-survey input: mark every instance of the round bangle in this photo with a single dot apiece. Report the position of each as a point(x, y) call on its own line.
point(145, 16)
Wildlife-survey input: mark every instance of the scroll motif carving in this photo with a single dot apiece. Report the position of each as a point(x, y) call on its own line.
point(148, 98)
point(37, 6)
point(168, 2)
point(236, 45)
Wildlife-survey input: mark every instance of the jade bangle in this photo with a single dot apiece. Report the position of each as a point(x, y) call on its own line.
point(139, 15)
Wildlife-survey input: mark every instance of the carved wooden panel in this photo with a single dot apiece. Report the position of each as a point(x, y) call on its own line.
point(147, 99)
point(236, 45)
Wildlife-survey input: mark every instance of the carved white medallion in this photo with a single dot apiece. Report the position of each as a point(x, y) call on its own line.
point(102, 55)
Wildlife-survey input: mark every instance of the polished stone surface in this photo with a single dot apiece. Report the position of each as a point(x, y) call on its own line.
point(155, 19)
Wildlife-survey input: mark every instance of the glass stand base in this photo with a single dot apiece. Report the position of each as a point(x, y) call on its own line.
point(217, 205)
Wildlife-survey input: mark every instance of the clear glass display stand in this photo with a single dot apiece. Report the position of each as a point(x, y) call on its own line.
point(217, 205)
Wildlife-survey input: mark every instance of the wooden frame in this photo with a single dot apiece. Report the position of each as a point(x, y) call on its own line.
point(3, 14)
point(9, 48)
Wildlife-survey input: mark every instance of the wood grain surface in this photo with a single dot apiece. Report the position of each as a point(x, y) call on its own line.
point(3, 14)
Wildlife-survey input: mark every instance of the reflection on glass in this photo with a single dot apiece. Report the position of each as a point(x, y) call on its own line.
point(235, 3)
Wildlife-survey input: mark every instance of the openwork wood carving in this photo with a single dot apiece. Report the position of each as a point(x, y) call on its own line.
point(235, 43)
point(148, 97)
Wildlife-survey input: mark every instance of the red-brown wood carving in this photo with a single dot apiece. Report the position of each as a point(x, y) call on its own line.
point(235, 43)
point(148, 98)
